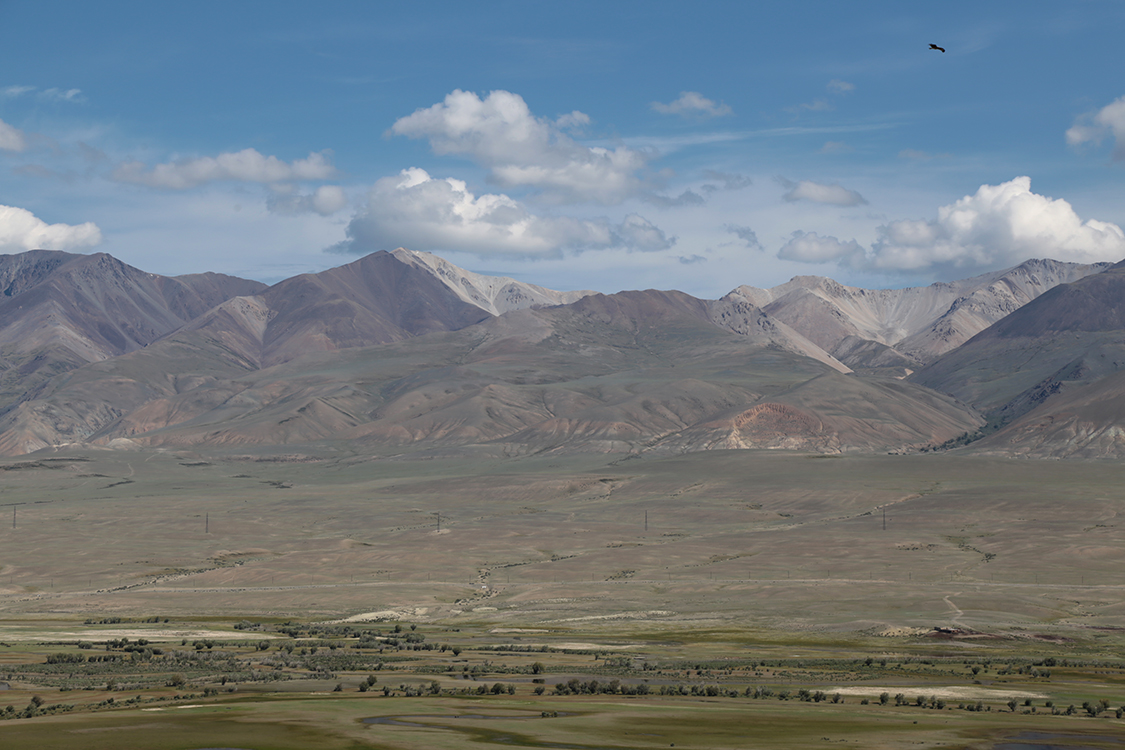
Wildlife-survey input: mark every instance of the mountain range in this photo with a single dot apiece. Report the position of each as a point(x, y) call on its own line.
point(404, 352)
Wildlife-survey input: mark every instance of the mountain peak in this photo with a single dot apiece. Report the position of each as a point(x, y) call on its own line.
point(494, 294)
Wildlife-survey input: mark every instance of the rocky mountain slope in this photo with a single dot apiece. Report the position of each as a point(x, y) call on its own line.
point(632, 372)
point(493, 294)
point(373, 300)
point(404, 351)
point(61, 310)
point(1085, 420)
point(1071, 336)
point(858, 326)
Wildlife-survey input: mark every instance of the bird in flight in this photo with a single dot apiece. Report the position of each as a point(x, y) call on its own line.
point(934, 46)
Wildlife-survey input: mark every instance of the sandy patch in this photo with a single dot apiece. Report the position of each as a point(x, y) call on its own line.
point(587, 646)
point(620, 616)
point(949, 692)
point(384, 614)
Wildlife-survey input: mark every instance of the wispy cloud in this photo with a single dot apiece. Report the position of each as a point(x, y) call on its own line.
point(49, 95)
point(1095, 127)
point(836, 147)
point(809, 247)
point(675, 142)
point(724, 181)
point(11, 138)
point(914, 155)
point(686, 198)
point(62, 95)
point(692, 103)
point(816, 105)
point(244, 166)
point(816, 192)
point(748, 236)
point(325, 200)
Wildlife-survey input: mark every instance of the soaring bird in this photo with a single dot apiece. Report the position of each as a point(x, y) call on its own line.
point(934, 46)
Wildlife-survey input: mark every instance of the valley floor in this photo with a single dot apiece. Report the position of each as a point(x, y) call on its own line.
point(736, 599)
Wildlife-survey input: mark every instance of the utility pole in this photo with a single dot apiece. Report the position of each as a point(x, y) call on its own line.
point(646, 520)
point(884, 519)
point(206, 523)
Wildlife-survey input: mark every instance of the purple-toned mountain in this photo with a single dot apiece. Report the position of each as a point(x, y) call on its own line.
point(374, 300)
point(1049, 371)
point(628, 372)
point(404, 351)
point(61, 310)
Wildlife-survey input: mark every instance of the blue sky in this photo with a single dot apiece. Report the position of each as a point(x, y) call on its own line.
point(608, 146)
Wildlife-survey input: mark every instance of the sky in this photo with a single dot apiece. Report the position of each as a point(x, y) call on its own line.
point(580, 145)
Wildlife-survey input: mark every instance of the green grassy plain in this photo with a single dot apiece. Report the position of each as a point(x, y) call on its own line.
point(735, 570)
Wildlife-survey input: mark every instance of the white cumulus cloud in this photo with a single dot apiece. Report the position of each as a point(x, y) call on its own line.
point(415, 210)
point(243, 166)
point(835, 195)
point(1000, 225)
point(693, 103)
point(522, 150)
point(11, 138)
point(809, 247)
point(21, 230)
point(1108, 121)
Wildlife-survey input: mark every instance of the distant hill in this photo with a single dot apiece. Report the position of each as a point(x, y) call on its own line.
point(403, 351)
point(62, 310)
point(627, 372)
point(859, 326)
point(374, 300)
point(1042, 357)
point(1086, 420)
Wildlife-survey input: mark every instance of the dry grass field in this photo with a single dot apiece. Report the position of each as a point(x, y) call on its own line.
point(734, 569)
